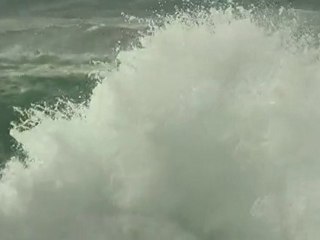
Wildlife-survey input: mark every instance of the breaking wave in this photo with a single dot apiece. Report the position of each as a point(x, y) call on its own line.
point(209, 130)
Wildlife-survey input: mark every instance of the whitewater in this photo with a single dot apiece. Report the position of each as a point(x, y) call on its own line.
point(207, 130)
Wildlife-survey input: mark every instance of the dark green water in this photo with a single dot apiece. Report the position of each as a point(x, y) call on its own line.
point(42, 59)
point(77, 88)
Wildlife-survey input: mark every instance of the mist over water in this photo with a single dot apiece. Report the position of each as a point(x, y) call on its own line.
point(208, 130)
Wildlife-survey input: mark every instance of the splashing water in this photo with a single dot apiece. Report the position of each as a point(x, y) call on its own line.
point(209, 131)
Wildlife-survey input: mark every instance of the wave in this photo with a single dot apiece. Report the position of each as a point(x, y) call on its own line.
point(208, 131)
point(75, 36)
point(30, 48)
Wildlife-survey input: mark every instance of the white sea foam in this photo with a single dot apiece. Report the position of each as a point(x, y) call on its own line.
point(209, 131)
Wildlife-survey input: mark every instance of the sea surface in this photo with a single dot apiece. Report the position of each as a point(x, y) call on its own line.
point(159, 121)
point(42, 59)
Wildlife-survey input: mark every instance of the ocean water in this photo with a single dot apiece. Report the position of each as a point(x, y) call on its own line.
point(43, 58)
point(192, 124)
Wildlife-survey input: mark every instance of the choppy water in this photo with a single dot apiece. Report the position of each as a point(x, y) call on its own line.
point(43, 58)
point(204, 128)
